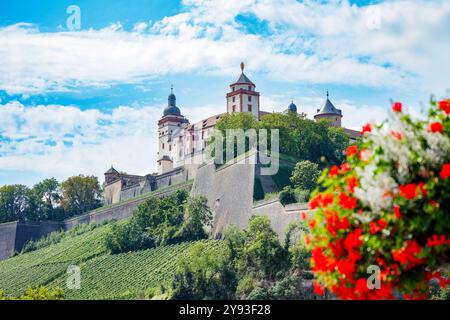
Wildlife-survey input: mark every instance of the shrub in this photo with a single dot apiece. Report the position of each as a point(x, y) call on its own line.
point(39, 293)
point(387, 207)
point(287, 196)
point(158, 222)
point(305, 175)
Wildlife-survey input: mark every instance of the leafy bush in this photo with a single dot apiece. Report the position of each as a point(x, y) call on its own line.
point(158, 222)
point(204, 275)
point(305, 175)
point(302, 195)
point(287, 196)
point(387, 207)
point(39, 293)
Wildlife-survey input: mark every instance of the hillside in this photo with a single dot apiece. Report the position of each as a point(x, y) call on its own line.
point(103, 276)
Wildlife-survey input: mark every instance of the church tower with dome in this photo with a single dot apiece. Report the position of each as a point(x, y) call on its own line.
point(171, 123)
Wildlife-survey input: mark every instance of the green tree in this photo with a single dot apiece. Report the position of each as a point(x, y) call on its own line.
point(262, 254)
point(306, 139)
point(80, 194)
point(197, 215)
point(47, 196)
point(204, 275)
point(305, 175)
point(15, 203)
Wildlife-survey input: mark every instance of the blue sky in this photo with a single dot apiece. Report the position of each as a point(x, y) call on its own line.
point(78, 101)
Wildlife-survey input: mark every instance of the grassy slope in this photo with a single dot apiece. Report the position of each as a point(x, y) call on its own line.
point(103, 276)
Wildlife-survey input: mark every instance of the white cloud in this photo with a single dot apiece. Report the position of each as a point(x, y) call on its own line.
point(64, 140)
point(309, 42)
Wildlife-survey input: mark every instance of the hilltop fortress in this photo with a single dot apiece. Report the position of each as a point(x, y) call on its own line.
point(181, 145)
point(229, 188)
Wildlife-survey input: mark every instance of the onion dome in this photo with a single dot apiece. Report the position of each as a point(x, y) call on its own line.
point(172, 109)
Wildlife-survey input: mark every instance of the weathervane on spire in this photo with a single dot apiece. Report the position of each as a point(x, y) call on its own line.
point(328, 94)
point(171, 88)
point(242, 67)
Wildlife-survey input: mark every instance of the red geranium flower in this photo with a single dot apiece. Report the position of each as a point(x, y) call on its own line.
point(436, 240)
point(366, 128)
point(408, 191)
point(318, 289)
point(352, 183)
point(436, 127)
point(397, 212)
point(352, 150)
point(397, 107)
point(347, 202)
point(407, 255)
point(444, 105)
point(445, 171)
point(333, 171)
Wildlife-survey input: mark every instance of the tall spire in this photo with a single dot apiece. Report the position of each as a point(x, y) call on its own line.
point(328, 94)
point(242, 67)
point(171, 88)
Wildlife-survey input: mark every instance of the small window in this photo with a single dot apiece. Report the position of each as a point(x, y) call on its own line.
point(170, 147)
point(234, 99)
point(249, 98)
point(249, 88)
point(234, 108)
point(250, 108)
point(163, 145)
point(233, 88)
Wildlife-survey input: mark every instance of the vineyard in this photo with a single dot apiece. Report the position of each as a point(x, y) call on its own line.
point(103, 276)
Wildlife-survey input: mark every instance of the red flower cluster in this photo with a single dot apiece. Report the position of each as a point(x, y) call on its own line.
point(334, 171)
point(345, 239)
point(397, 107)
point(318, 289)
point(436, 127)
point(352, 183)
point(438, 240)
point(407, 255)
point(444, 105)
point(366, 128)
point(445, 171)
point(397, 213)
point(334, 223)
point(321, 200)
point(408, 191)
point(347, 202)
point(352, 150)
point(377, 226)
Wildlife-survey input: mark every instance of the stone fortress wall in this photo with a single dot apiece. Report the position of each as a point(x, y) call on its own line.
point(14, 235)
point(228, 188)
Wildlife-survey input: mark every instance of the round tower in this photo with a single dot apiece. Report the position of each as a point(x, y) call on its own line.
point(329, 112)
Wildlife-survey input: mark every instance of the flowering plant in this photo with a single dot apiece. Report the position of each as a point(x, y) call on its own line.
point(386, 208)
